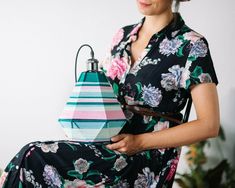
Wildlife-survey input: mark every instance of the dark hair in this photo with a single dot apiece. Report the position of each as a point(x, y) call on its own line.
point(177, 4)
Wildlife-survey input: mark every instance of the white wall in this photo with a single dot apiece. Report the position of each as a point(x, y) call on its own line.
point(38, 43)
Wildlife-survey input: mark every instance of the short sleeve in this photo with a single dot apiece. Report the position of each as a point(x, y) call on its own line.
point(199, 67)
point(105, 62)
point(115, 42)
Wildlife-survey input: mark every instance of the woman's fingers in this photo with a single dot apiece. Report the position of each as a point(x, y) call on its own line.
point(116, 145)
point(118, 137)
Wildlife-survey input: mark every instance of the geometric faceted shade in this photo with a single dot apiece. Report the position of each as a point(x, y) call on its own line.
point(92, 112)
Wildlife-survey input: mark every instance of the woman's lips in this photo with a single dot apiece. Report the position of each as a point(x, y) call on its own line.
point(144, 4)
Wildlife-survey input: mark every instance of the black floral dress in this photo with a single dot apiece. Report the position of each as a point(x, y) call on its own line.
point(174, 59)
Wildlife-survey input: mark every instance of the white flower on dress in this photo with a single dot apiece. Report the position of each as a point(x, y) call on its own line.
point(120, 163)
point(144, 62)
point(199, 49)
point(152, 96)
point(171, 80)
point(131, 101)
point(48, 147)
point(81, 165)
point(174, 33)
point(147, 119)
point(29, 177)
point(168, 47)
point(77, 183)
point(51, 176)
point(185, 74)
point(146, 179)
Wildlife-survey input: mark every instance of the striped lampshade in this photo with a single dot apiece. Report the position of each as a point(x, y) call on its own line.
point(92, 112)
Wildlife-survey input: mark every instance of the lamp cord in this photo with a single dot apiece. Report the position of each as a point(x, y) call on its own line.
point(92, 56)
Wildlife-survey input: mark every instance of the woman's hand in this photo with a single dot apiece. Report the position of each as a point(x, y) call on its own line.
point(126, 143)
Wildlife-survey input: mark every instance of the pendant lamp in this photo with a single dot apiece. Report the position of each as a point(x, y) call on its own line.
point(92, 112)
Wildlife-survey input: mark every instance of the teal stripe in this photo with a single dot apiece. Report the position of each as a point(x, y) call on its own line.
point(89, 120)
point(93, 85)
point(91, 97)
point(95, 140)
point(95, 94)
point(92, 125)
point(91, 103)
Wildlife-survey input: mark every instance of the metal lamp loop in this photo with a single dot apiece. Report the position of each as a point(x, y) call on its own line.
point(92, 60)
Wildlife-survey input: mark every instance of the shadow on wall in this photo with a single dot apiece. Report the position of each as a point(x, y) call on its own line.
point(231, 114)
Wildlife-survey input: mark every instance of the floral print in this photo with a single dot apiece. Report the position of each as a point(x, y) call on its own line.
point(199, 49)
point(117, 68)
point(117, 38)
point(81, 165)
point(29, 177)
point(171, 80)
point(151, 95)
point(161, 125)
point(174, 59)
point(120, 163)
point(147, 179)
point(51, 176)
point(168, 47)
point(192, 36)
point(173, 166)
point(49, 147)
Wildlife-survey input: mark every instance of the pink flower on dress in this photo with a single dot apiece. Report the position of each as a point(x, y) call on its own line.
point(30, 152)
point(173, 167)
point(161, 125)
point(136, 28)
point(117, 68)
point(192, 36)
point(117, 37)
point(3, 178)
point(133, 37)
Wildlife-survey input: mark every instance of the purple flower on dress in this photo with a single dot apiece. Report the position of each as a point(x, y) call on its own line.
point(51, 176)
point(199, 49)
point(171, 80)
point(81, 165)
point(168, 47)
point(151, 95)
point(147, 179)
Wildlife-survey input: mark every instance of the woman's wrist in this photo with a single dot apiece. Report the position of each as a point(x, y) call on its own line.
point(144, 141)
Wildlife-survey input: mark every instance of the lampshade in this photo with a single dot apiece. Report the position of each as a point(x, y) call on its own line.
point(92, 112)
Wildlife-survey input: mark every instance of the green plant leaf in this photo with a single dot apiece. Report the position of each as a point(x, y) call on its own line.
point(181, 183)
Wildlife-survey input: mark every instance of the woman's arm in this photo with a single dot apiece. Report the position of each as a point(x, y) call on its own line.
point(205, 100)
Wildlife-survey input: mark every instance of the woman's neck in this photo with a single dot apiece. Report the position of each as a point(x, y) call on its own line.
point(155, 23)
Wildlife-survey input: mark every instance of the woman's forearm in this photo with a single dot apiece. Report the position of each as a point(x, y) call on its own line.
point(184, 134)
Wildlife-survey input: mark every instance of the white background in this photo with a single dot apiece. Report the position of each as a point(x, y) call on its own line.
point(38, 44)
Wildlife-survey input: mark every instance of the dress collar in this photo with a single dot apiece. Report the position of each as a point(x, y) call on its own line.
point(175, 24)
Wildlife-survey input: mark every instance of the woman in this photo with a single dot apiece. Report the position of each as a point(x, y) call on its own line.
point(156, 63)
